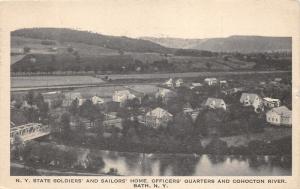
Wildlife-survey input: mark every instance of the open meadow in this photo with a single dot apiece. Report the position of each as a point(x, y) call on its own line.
point(38, 81)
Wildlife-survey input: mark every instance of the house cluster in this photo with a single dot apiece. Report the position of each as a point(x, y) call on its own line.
point(276, 114)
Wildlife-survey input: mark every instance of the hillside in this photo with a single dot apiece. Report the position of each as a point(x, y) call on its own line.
point(243, 44)
point(64, 51)
point(179, 43)
point(63, 35)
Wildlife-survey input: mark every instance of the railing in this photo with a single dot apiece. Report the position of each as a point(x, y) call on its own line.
point(29, 131)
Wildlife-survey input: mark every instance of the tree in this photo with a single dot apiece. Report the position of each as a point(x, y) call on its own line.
point(217, 146)
point(95, 162)
point(19, 147)
point(30, 97)
point(65, 124)
point(183, 125)
point(38, 100)
point(133, 103)
point(44, 110)
point(74, 107)
point(89, 111)
point(31, 114)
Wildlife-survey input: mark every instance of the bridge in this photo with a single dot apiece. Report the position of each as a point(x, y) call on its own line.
point(29, 131)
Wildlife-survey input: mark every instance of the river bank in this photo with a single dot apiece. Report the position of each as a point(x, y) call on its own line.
point(156, 164)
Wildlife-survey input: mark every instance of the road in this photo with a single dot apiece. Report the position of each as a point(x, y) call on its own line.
point(122, 79)
point(186, 74)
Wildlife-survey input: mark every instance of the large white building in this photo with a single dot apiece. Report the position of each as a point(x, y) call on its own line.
point(158, 118)
point(279, 116)
point(179, 82)
point(97, 100)
point(215, 103)
point(169, 83)
point(271, 102)
point(122, 96)
point(251, 99)
point(211, 81)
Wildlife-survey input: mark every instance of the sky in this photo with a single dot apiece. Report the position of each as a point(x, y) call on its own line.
point(160, 18)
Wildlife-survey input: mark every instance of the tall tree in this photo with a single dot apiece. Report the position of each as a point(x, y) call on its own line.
point(30, 97)
point(74, 107)
point(65, 124)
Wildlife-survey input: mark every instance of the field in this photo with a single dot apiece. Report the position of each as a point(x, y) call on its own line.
point(92, 57)
point(84, 49)
point(39, 81)
point(107, 91)
point(191, 74)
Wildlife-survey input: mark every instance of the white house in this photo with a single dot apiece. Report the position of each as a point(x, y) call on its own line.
point(279, 116)
point(194, 85)
point(158, 118)
point(233, 90)
point(169, 83)
point(223, 83)
point(251, 99)
point(271, 102)
point(215, 103)
point(278, 79)
point(211, 81)
point(122, 96)
point(179, 82)
point(97, 100)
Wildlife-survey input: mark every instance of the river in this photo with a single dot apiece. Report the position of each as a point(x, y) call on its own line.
point(139, 164)
point(135, 164)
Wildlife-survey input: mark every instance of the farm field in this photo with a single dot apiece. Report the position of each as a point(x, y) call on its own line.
point(35, 82)
point(38, 81)
point(107, 91)
point(186, 74)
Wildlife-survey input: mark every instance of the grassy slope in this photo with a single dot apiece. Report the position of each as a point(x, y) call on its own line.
point(95, 56)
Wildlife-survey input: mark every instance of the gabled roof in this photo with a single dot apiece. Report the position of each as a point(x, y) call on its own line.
point(251, 96)
point(218, 102)
point(95, 97)
point(166, 92)
point(179, 80)
point(282, 110)
point(210, 78)
point(159, 113)
point(271, 99)
point(194, 84)
point(122, 92)
point(169, 81)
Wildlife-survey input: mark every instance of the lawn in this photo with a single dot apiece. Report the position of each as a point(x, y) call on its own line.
point(39, 81)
